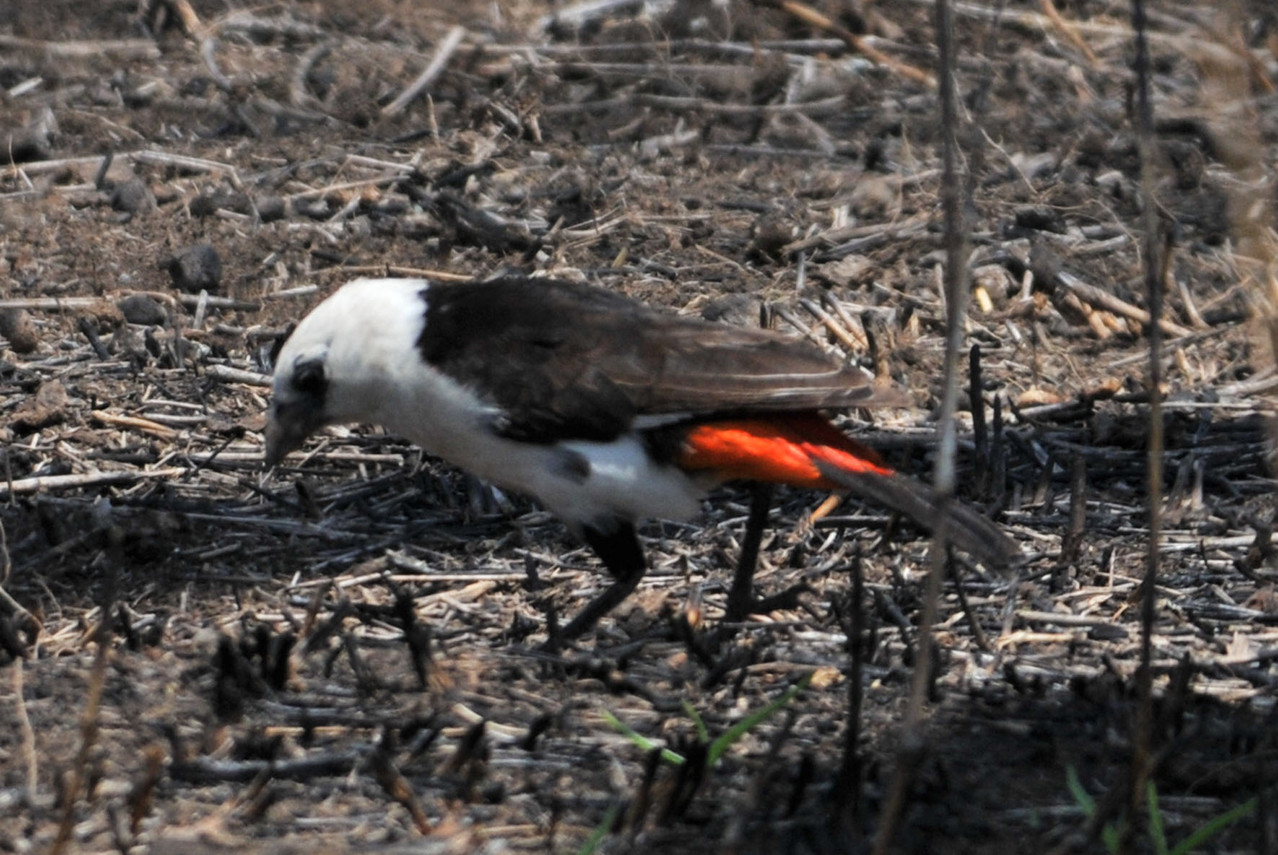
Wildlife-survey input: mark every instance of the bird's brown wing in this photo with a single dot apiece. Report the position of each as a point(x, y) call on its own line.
point(563, 360)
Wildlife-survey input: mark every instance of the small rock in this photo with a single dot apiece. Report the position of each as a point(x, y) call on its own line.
point(1042, 218)
point(34, 142)
point(875, 197)
point(48, 406)
point(132, 197)
point(769, 238)
point(1036, 396)
point(105, 314)
point(850, 271)
point(739, 309)
point(138, 97)
point(1107, 632)
point(196, 268)
point(316, 209)
point(208, 204)
point(16, 326)
point(270, 208)
point(144, 310)
point(24, 145)
point(203, 205)
point(127, 343)
point(574, 204)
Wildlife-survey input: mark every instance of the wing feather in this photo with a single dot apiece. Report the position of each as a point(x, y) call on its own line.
point(565, 360)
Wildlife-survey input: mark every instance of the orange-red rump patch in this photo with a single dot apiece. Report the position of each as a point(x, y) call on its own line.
point(781, 449)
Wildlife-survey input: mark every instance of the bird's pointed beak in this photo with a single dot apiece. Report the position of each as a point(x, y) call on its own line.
point(283, 435)
point(276, 447)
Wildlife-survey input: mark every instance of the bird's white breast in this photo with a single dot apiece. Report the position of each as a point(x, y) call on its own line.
point(392, 385)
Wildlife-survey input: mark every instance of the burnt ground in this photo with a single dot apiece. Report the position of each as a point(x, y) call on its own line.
point(341, 655)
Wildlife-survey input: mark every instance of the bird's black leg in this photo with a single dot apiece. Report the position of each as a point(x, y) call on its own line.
point(621, 553)
point(741, 596)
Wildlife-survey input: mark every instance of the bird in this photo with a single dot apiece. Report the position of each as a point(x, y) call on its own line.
point(605, 410)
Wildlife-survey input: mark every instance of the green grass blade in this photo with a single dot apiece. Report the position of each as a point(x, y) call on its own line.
point(1157, 833)
point(601, 831)
point(1109, 836)
point(1081, 797)
point(1215, 826)
point(734, 733)
point(638, 739)
point(703, 735)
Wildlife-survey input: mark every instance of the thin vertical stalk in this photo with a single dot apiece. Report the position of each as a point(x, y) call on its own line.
point(1151, 247)
point(913, 745)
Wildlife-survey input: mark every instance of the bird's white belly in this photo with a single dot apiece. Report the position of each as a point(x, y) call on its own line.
point(578, 481)
point(619, 479)
point(622, 478)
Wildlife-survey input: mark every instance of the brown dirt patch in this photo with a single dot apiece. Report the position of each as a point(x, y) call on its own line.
point(326, 659)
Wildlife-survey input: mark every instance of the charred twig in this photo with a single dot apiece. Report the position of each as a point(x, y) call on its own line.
point(142, 791)
point(973, 621)
point(607, 673)
point(976, 402)
point(740, 597)
point(847, 789)
point(397, 786)
point(206, 770)
point(1073, 539)
point(90, 725)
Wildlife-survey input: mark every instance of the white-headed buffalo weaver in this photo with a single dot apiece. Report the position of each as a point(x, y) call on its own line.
point(605, 410)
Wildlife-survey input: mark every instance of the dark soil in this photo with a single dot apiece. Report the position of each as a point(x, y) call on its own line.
point(196, 656)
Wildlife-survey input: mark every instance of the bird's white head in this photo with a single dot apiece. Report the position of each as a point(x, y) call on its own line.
point(343, 359)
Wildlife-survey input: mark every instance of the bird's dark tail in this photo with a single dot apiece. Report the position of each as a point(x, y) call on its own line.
point(806, 450)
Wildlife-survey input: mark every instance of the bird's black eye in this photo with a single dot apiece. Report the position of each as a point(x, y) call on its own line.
point(277, 345)
point(308, 378)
